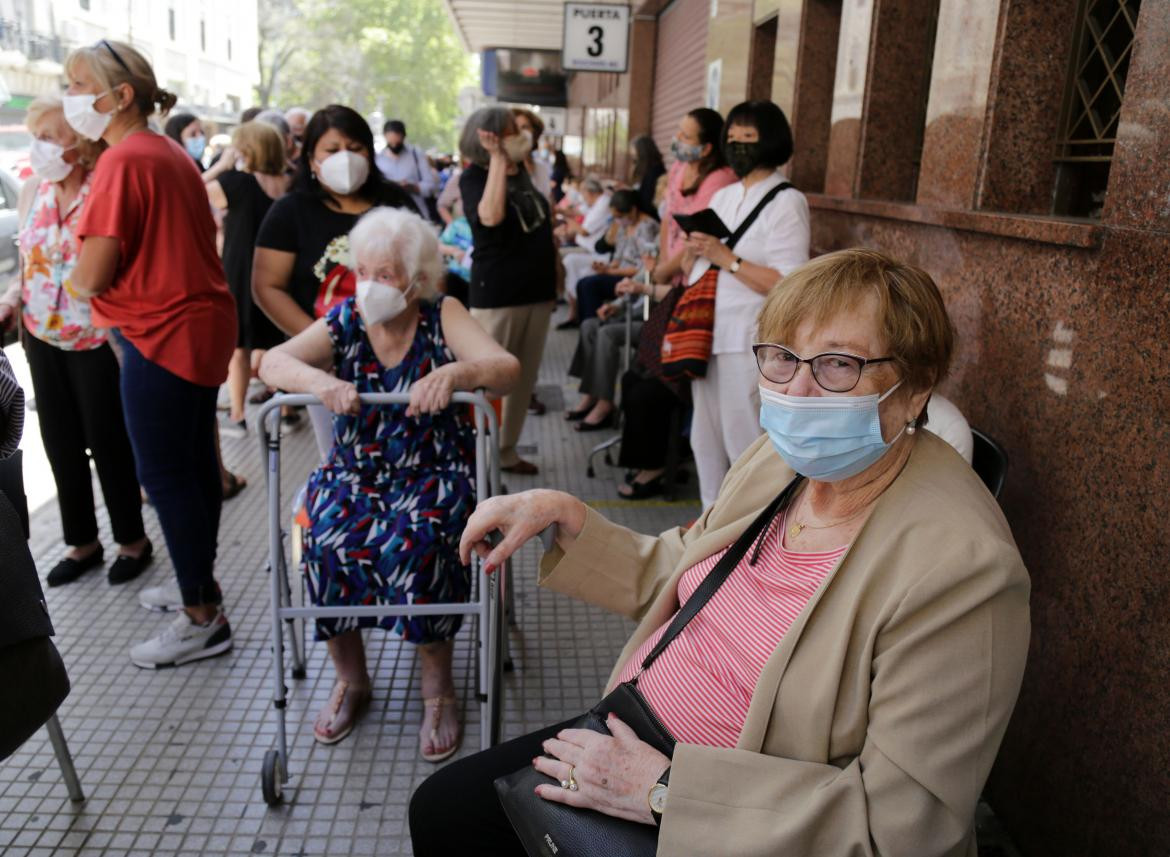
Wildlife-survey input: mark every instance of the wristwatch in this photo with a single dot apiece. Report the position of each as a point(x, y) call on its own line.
point(656, 797)
point(734, 269)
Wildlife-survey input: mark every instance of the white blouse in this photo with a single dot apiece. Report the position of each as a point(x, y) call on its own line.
point(778, 239)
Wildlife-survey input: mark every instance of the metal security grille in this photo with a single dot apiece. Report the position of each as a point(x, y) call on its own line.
point(1102, 49)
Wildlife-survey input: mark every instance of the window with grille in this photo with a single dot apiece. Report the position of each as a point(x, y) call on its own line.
point(1092, 104)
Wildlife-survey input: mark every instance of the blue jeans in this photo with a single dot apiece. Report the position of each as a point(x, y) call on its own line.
point(171, 423)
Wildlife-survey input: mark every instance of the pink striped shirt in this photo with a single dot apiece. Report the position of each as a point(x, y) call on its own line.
point(701, 685)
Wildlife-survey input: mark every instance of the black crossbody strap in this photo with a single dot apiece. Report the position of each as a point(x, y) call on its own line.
point(751, 218)
point(722, 570)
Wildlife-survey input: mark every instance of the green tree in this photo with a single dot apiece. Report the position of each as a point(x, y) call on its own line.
point(399, 57)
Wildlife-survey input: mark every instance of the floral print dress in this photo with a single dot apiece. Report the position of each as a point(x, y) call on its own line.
point(387, 508)
point(48, 251)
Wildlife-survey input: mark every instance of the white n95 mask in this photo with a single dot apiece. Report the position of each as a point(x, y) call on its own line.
point(378, 302)
point(344, 172)
point(47, 160)
point(83, 117)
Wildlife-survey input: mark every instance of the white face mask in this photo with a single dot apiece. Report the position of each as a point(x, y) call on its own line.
point(518, 146)
point(47, 161)
point(379, 302)
point(343, 172)
point(83, 117)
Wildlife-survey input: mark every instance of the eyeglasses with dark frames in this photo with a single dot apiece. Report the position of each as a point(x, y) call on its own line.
point(834, 372)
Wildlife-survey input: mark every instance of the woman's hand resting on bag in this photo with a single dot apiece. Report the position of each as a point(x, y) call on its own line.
point(519, 518)
point(613, 774)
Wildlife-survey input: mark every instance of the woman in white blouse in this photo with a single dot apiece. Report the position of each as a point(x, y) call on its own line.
point(757, 141)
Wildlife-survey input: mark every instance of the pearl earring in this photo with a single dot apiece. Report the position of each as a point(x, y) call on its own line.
point(911, 427)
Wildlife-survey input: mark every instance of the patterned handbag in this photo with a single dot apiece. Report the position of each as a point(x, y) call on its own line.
point(686, 346)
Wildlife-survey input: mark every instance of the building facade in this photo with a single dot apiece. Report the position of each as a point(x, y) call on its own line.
point(205, 52)
point(1020, 153)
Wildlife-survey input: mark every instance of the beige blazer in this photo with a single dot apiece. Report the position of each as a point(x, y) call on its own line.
point(876, 720)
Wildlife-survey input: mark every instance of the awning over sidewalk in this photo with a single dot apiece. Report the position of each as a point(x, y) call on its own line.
point(532, 24)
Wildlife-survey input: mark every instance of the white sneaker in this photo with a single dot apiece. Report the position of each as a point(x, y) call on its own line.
point(183, 641)
point(165, 598)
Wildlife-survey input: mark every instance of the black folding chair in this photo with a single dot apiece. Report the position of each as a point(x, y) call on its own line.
point(990, 461)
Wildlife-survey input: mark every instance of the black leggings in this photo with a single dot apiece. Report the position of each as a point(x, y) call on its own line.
point(456, 810)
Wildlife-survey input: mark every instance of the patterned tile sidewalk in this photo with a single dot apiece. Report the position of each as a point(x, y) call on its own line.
point(170, 761)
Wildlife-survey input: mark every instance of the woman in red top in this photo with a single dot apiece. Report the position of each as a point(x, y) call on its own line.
point(149, 265)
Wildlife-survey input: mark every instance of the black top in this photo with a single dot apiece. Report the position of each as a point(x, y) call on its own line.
point(646, 189)
point(514, 262)
point(300, 222)
point(247, 205)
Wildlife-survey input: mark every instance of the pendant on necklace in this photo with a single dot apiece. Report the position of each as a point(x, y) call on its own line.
point(795, 530)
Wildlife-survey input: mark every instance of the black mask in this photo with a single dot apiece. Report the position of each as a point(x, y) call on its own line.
point(742, 157)
point(396, 148)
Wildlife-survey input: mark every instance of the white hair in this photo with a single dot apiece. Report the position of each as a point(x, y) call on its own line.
point(403, 239)
point(297, 111)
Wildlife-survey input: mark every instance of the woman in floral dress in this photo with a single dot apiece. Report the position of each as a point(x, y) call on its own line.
point(389, 503)
point(74, 371)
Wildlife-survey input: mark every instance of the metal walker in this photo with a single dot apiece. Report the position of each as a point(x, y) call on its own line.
point(486, 606)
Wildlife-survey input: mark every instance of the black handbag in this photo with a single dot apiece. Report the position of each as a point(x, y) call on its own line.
point(548, 829)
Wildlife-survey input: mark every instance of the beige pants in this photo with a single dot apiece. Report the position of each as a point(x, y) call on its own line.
point(522, 331)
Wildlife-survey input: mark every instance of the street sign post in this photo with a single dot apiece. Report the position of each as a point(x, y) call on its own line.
point(596, 37)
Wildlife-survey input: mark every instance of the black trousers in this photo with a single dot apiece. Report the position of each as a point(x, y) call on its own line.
point(79, 407)
point(647, 404)
point(456, 810)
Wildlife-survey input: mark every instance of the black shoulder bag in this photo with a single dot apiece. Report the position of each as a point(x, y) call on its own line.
point(549, 829)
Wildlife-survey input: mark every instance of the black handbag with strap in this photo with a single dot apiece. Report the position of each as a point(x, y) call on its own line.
point(548, 829)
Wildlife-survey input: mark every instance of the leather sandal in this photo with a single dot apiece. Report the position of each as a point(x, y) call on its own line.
point(436, 704)
point(341, 689)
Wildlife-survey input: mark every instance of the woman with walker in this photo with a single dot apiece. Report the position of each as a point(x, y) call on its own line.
point(388, 505)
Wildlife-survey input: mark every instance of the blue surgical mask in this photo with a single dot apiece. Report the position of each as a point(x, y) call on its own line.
point(826, 438)
point(196, 146)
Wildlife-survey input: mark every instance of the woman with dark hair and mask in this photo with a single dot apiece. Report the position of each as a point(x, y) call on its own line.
point(647, 168)
point(757, 141)
point(301, 266)
point(186, 130)
point(513, 263)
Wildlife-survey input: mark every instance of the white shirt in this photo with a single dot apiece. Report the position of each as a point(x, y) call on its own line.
point(948, 422)
point(778, 239)
point(595, 223)
point(409, 167)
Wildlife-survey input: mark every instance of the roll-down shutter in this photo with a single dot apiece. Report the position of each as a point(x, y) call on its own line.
point(680, 66)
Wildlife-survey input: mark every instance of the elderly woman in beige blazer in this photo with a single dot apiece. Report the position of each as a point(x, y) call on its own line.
point(876, 716)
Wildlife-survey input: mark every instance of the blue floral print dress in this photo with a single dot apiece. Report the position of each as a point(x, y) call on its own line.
point(387, 509)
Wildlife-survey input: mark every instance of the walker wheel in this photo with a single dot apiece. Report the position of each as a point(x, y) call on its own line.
point(299, 673)
point(271, 779)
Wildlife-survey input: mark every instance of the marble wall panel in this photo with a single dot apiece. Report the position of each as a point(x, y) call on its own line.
point(1026, 88)
point(848, 93)
point(1139, 182)
point(1062, 359)
point(815, 64)
point(952, 146)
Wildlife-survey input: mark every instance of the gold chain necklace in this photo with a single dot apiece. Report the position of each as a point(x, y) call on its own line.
point(800, 526)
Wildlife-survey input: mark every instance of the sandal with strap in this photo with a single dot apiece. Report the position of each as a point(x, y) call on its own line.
point(340, 690)
point(435, 704)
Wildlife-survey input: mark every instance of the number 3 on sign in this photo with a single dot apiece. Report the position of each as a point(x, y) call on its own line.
point(596, 37)
point(596, 48)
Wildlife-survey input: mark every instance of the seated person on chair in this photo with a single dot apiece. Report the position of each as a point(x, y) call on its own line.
point(846, 688)
point(387, 506)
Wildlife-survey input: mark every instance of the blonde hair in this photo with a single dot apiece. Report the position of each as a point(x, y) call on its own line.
point(114, 63)
point(42, 108)
point(911, 315)
point(262, 147)
point(403, 238)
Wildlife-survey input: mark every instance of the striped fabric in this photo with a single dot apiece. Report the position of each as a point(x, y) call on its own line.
point(701, 685)
point(11, 409)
